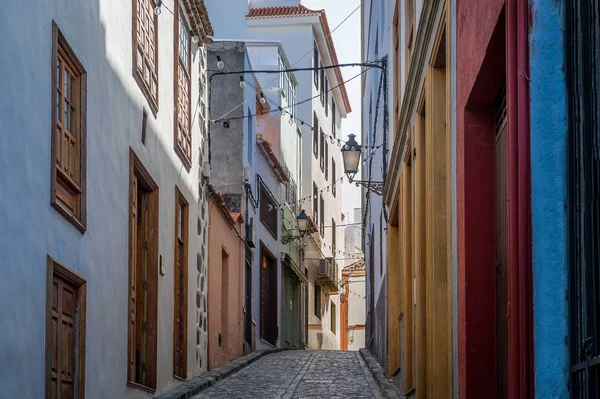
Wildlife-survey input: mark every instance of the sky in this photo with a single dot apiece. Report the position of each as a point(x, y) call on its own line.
point(347, 46)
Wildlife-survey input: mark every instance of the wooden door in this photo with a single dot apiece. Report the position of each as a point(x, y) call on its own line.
point(501, 222)
point(178, 334)
point(268, 299)
point(64, 333)
point(180, 287)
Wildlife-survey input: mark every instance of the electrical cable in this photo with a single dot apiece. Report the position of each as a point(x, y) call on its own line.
point(309, 51)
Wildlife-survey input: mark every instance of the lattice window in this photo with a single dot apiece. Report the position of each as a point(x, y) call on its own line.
point(145, 49)
point(183, 130)
point(68, 144)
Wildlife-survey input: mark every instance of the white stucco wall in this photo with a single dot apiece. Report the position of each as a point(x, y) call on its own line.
point(100, 35)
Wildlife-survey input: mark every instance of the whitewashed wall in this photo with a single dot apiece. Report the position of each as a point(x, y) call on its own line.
point(100, 34)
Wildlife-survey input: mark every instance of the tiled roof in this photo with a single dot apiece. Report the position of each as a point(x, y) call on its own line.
point(266, 149)
point(357, 268)
point(221, 203)
point(301, 11)
point(196, 11)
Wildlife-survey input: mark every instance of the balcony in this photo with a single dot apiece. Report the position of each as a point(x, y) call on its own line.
point(327, 275)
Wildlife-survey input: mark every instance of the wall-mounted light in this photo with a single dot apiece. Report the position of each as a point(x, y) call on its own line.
point(220, 63)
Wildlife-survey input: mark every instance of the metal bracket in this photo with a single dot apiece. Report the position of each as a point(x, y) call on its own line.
point(288, 239)
point(375, 186)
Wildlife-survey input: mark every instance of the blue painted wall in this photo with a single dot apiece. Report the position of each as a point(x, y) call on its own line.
point(548, 196)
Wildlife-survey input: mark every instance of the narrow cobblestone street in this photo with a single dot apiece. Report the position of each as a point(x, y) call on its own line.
point(300, 374)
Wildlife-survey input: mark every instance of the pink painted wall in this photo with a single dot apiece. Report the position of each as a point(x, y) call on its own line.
point(269, 126)
point(225, 314)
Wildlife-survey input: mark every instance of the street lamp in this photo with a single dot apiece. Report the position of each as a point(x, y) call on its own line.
point(302, 220)
point(351, 152)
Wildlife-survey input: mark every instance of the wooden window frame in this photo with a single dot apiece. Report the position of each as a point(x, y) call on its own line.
point(315, 132)
point(333, 116)
point(54, 267)
point(316, 65)
point(333, 179)
point(185, 158)
point(58, 178)
point(264, 194)
point(315, 203)
point(181, 204)
point(137, 168)
point(137, 75)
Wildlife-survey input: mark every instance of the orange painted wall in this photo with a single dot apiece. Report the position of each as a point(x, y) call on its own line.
point(225, 317)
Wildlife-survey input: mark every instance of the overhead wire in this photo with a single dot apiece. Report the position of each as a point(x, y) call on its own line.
point(301, 58)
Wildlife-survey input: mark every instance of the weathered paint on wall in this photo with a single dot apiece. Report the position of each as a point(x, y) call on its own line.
point(548, 195)
point(224, 275)
point(31, 229)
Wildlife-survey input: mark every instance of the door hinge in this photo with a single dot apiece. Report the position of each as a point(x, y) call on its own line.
point(144, 327)
point(146, 245)
point(498, 266)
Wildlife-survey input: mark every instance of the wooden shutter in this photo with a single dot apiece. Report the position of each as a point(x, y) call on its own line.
point(64, 307)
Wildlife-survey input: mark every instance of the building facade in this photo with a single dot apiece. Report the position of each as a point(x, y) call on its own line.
point(321, 104)
point(420, 320)
point(225, 279)
point(114, 261)
point(252, 115)
point(353, 307)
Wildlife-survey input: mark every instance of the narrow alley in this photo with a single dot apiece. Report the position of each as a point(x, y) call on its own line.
point(299, 374)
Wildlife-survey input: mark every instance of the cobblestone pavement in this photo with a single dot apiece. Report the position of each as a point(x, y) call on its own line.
point(300, 374)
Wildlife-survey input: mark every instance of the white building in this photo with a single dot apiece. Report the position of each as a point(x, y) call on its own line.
point(376, 17)
point(306, 38)
point(101, 206)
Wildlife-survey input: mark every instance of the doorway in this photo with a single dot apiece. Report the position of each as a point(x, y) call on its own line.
point(501, 230)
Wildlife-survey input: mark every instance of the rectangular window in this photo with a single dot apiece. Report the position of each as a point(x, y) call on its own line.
point(315, 203)
point(322, 215)
point(333, 314)
point(333, 237)
point(326, 97)
point(180, 288)
point(326, 160)
point(65, 332)
point(315, 133)
point(333, 179)
point(68, 153)
point(145, 50)
point(322, 86)
point(318, 301)
point(250, 136)
point(316, 65)
point(322, 145)
point(183, 89)
point(143, 277)
point(268, 210)
point(333, 122)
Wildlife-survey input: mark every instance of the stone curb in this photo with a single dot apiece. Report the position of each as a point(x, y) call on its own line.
point(389, 390)
point(193, 387)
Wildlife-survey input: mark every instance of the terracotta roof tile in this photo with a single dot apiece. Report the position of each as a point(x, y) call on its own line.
point(196, 11)
point(301, 11)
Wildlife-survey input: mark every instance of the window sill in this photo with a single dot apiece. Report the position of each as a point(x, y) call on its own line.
point(70, 218)
point(186, 162)
point(142, 85)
